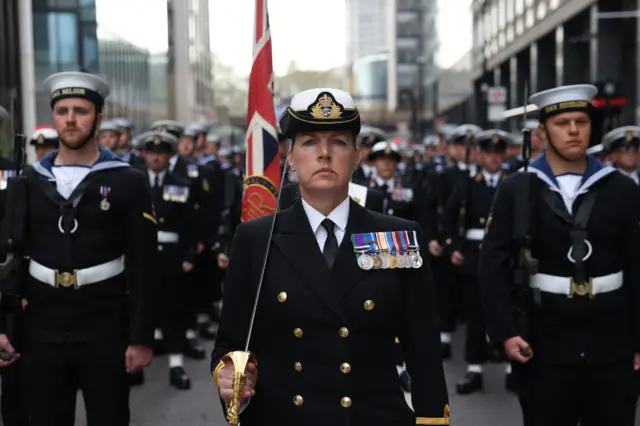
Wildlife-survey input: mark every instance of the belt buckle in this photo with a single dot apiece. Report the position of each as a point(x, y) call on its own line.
point(66, 279)
point(581, 289)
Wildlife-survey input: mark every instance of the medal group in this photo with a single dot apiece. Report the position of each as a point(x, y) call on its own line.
point(387, 250)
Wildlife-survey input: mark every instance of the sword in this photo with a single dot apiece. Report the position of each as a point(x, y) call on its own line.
point(241, 359)
point(526, 132)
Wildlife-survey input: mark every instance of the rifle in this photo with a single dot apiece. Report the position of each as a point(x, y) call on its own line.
point(525, 264)
point(13, 236)
point(462, 213)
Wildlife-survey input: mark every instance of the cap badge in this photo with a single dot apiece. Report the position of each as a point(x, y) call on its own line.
point(496, 139)
point(40, 138)
point(157, 140)
point(325, 107)
point(388, 150)
point(628, 135)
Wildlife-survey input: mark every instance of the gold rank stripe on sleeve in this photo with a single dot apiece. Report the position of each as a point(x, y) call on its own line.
point(435, 420)
point(150, 217)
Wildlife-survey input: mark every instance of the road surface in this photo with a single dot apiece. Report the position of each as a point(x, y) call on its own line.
point(157, 404)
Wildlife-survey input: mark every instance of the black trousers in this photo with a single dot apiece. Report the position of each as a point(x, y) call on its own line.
point(205, 284)
point(14, 410)
point(567, 395)
point(444, 275)
point(173, 315)
point(54, 372)
point(476, 348)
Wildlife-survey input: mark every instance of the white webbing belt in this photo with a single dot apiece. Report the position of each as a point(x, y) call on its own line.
point(168, 237)
point(78, 277)
point(474, 234)
point(563, 285)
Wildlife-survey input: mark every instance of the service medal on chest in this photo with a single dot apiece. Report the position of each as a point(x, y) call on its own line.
point(365, 262)
point(416, 260)
point(105, 205)
point(104, 192)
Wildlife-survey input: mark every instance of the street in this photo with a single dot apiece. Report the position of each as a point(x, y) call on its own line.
point(157, 404)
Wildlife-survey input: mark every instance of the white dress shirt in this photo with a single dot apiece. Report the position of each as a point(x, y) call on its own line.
point(68, 178)
point(492, 179)
point(633, 175)
point(391, 183)
point(152, 177)
point(339, 216)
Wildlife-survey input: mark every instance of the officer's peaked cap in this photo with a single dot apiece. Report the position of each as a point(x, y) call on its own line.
point(494, 140)
point(170, 126)
point(460, 133)
point(385, 149)
point(626, 136)
point(320, 109)
point(45, 137)
point(563, 99)
point(74, 84)
point(158, 141)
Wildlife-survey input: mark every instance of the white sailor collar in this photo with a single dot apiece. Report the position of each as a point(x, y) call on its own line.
point(106, 160)
point(595, 172)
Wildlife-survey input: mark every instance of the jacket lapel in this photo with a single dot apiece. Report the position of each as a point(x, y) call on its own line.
point(298, 245)
point(345, 269)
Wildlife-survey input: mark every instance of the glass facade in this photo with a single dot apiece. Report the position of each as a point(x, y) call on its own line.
point(370, 78)
point(9, 71)
point(497, 23)
point(96, 36)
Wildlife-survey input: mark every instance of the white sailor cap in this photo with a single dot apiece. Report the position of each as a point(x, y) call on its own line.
point(622, 137)
point(431, 140)
point(123, 123)
point(170, 126)
point(45, 137)
point(385, 149)
point(213, 138)
point(225, 151)
point(238, 149)
point(74, 84)
point(460, 133)
point(157, 141)
point(320, 109)
point(564, 99)
point(109, 126)
point(531, 124)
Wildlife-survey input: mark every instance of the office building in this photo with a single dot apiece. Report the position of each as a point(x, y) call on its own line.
point(547, 43)
point(10, 69)
point(367, 32)
point(190, 61)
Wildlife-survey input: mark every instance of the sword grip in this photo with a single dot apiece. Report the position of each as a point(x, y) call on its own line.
point(240, 359)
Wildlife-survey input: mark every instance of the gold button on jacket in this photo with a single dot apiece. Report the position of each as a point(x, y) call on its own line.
point(344, 332)
point(298, 400)
point(369, 305)
point(345, 368)
point(297, 366)
point(282, 297)
point(298, 332)
point(346, 402)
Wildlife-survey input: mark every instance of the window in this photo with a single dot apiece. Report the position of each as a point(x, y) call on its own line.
point(519, 7)
point(542, 10)
point(510, 10)
point(502, 18)
point(529, 18)
point(553, 4)
point(89, 49)
point(479, 32)
point(487, 26)
point(87, 10)
point(529, 3)
point(519, 26)
point(55, 41)
point(510, 34)
point(494, 19)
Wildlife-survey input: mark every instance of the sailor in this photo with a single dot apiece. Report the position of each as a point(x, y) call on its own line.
point(463, 223)
point(366, 170)
point(173, 199)
point(109, 135)
point(184, 164)
point(326, 319)
point(91, 238)
point(124, 147)
point(579, 357)
point(200, 131)
point(622, 145)
point(44, 141)
point(460, 148)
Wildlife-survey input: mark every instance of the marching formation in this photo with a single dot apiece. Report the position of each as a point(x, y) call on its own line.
point(119, 247)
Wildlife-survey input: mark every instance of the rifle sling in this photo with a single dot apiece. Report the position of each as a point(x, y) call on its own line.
point(579, 221)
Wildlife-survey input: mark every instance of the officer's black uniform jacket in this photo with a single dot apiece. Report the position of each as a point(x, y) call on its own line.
point(603, 329)
point(479, 197)
point(404, 306)
point(117, 308)
point(291, 193)
point(176, 215)
point(401, 201)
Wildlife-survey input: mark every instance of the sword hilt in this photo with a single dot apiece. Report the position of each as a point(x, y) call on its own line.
point(240, 360)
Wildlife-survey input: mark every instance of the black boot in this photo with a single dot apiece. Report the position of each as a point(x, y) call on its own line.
point(178, 378)
point(510, 383)
point(470, 383)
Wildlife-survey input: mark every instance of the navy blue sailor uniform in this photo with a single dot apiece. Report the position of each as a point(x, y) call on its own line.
point(584, 306)
point(173, 199)
point(327, 318)
point(621, 141)
point(463, 222)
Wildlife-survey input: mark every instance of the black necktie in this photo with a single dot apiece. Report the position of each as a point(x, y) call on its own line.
point(330, 249)
point(157, 184)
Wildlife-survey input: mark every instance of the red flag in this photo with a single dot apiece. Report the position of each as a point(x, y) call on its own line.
point(262, 180)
